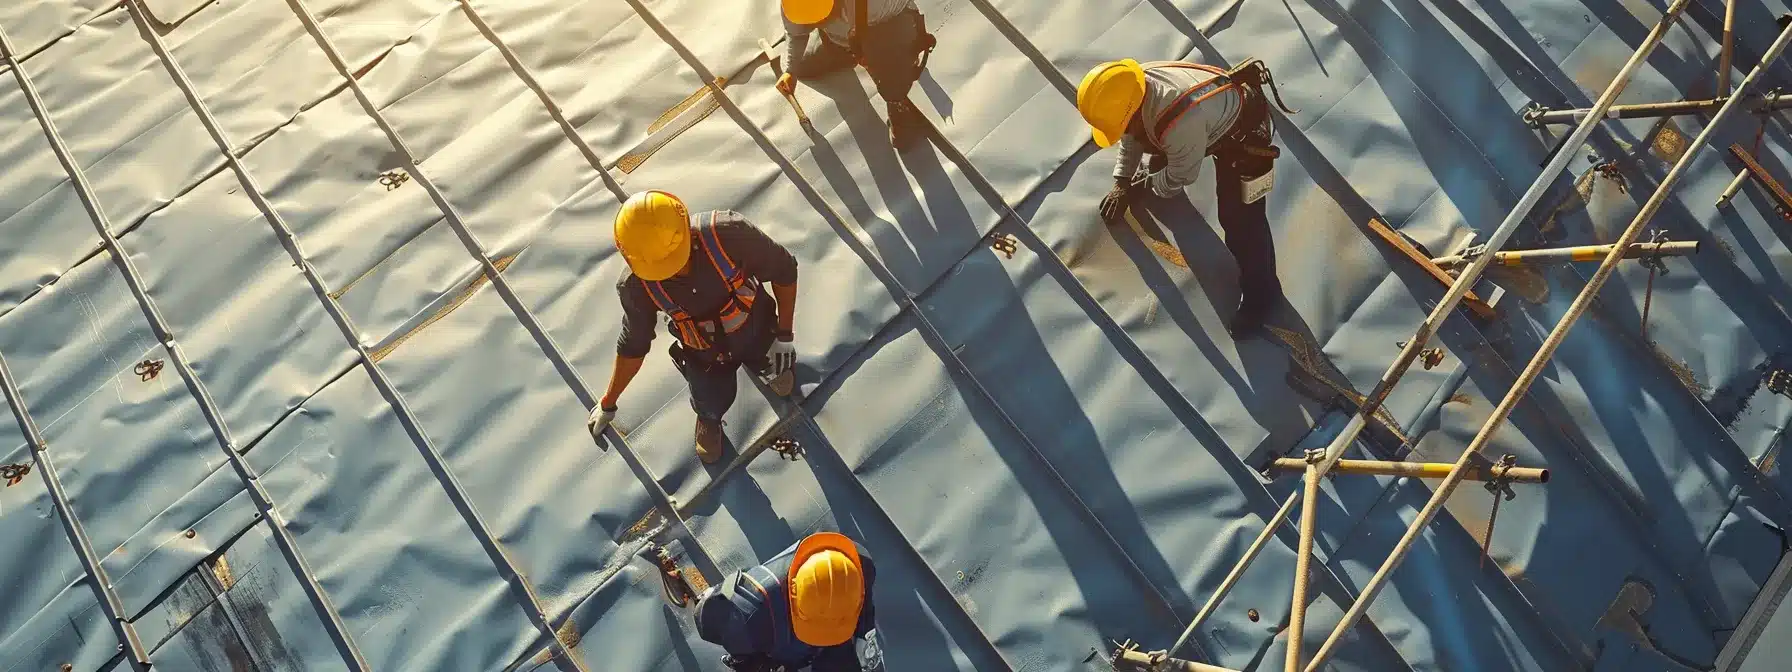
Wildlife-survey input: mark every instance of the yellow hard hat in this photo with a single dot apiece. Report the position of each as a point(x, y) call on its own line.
point(1108, 97)
point(807, 12)
point(827, 589)
point(653, 231)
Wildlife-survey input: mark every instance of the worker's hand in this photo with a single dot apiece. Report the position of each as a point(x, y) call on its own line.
point(1113, 205)
point(782, 356)
point(600, 419)
point(1159, 183)
point(787, 84)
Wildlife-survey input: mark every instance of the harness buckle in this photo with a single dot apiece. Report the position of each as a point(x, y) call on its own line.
point(1254, 73)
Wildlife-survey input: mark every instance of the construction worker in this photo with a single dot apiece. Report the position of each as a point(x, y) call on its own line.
point(808, 607)
point(1181, 113)
point(888, 37)
point(708, 275)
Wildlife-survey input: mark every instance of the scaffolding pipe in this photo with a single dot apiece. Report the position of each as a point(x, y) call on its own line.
point(451, 215)
point(1289, 465)
point(1453, 296)
point(451, 485)
point(97, 578)
point(1734, 188)
point(250, 477)
point(1723, 59)
point(1130, 660)
point(1303, 560)
point(1539, 118)
point(1541, 359)
point(1562, 255)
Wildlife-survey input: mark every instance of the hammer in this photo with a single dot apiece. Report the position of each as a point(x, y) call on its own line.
point(772, 57)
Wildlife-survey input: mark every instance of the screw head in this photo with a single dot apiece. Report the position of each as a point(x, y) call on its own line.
point(1251, 614)
point(191, 534)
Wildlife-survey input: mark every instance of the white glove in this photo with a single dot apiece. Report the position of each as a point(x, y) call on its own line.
point(599, 421)
point(782, 356)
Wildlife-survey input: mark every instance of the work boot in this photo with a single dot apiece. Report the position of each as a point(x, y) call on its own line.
point(783, 383)
point(905, 125)
point(709, 440)
point(1248, 320)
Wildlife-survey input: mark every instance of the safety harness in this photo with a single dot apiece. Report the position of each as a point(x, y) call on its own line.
point(1251, 132)
point(709, 333)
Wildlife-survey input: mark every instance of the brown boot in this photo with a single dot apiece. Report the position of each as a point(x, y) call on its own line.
point(710, 441)
point(905, 125)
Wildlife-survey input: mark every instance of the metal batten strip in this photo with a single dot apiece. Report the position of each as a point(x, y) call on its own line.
point(1544, 353)
point(1385, 386)
point(338, 632)
point(130, 645)
point(522, 72)
point(455, 491)
point(543, 339)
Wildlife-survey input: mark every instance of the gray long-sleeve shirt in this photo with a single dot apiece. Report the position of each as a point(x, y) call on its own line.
point(1186, 142)
point(838, 26)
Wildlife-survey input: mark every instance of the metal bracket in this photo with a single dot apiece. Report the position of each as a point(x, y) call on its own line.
point(1429, 357)
point(1006, 244)
point(787, 448)
point(393, 179)
point(148, 369)
point(1656, 263)
point(14, 474)
point(1498, 481)
point(1609, 171)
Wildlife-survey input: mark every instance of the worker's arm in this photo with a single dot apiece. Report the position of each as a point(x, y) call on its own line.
point(796, 43)
point(638, 312)
point(1185, 146)
point(1131, 151)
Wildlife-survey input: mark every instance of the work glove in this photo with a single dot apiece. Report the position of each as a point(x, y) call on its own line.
point(600, 420)
point(1113, 205)
point(787, 84)
point(782, 356)
point(1159, 182)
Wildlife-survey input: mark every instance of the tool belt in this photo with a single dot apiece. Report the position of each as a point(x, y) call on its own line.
point(855, 36)
point(1253, 134)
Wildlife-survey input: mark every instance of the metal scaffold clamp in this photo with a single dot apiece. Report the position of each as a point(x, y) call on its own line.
point(1533, 114)
point(1499, 482)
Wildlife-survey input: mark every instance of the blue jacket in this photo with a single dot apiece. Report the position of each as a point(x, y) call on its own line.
point(755, 618)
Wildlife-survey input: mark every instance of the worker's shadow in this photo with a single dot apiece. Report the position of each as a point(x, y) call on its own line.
point(1172, 231)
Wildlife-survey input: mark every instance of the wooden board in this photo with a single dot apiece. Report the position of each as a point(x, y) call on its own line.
point(1399, 242)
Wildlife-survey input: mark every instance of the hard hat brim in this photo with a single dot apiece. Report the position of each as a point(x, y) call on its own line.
point(811, 632)
point(1106, 137)
point(660, 268)
point(807, 13)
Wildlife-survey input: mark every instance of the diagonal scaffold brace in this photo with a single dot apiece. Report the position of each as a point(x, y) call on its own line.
point(1541, 360)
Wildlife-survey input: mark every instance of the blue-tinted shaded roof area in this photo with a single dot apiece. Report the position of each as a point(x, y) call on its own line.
point(1037, 422)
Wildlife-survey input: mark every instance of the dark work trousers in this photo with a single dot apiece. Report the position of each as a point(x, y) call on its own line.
point(892, 55)
point(1247, 230)
point(713, 383)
